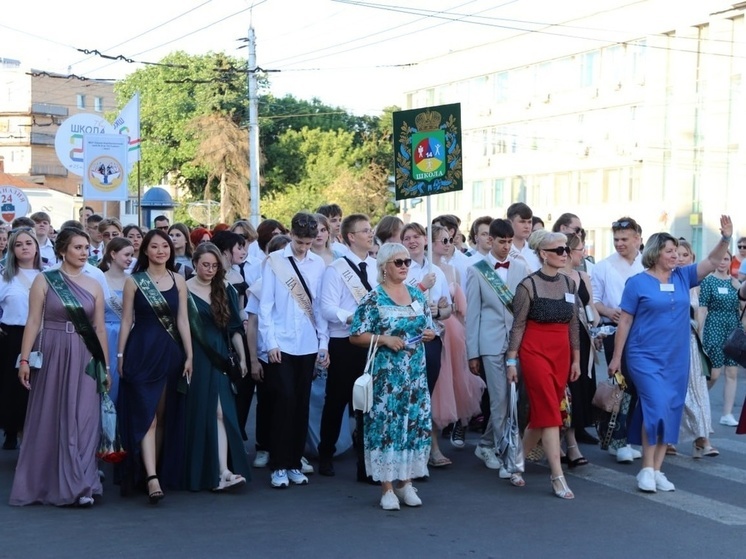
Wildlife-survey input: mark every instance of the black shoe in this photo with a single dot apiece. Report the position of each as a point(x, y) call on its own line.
point(326, 468)
point(447, 430)
point(11, 441)
point(583, 436)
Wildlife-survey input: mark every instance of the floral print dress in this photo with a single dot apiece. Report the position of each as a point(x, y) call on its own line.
point(397, 428)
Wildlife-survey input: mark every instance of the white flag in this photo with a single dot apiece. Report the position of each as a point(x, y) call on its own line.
point(128, 124)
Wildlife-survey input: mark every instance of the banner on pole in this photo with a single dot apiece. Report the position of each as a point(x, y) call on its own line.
point(128, 124)
point(68, 141)
point(105, 164)
point(427, 151)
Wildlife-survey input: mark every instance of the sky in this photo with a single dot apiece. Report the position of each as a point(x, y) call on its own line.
point(343, 52)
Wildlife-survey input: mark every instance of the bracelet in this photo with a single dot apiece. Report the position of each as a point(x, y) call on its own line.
point(421, 287)
point(725, 239)
point(23, 361)
point(511, 362)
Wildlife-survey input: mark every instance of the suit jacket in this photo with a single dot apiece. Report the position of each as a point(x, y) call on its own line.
point(488, 322)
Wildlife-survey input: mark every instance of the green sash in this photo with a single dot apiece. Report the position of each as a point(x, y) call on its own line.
point(96, 368)
point(502, 290)
point(158, 303)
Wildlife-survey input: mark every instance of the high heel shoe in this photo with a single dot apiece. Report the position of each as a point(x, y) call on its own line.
point(564, 492)
point(154, 496)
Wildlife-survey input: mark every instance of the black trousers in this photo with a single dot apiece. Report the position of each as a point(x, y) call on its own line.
point(347, 363)
point(609, 353)
point(245, 394)
point(433, 355)
point(289, 391)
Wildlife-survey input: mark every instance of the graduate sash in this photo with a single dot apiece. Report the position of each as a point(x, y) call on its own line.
point(286, 274)
point(158, 303)
point(502, 290)
point(96, 368)
point(351, 280)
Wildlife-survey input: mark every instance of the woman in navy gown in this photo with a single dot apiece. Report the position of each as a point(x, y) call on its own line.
point(654, 325)
point(155, 367)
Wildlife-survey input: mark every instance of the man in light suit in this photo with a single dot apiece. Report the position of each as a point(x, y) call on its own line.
point(488, 323)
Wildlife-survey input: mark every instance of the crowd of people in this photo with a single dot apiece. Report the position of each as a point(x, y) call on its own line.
point(185, 328)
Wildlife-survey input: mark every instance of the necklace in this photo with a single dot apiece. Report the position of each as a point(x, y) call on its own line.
point(200, 282)
point(163, 275)
point(68, 274)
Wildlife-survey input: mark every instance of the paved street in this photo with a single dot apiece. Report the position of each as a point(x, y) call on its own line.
point(467, 512)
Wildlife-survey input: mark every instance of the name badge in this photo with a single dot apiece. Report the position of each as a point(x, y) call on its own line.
point(570, 298)
point(722, 290)
point(416, 307)
point(667, 287)
point(414, 340)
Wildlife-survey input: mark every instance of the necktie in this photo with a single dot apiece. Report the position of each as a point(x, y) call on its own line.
point(95, 252)
point(364, 276)
point(505, 265)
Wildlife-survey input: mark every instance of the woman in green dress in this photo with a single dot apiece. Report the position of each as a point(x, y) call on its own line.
point(397, 428)
point(213, 433)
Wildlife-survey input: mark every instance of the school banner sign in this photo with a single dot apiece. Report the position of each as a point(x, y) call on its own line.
point(427, 151)
point(105, 164)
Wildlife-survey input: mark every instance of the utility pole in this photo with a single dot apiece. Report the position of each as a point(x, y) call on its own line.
point(253, 130)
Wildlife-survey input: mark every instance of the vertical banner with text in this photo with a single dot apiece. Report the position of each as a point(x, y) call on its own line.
point(427, 151)
point(105, 167)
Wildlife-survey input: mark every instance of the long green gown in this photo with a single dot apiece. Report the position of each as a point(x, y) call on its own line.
point(208, 384)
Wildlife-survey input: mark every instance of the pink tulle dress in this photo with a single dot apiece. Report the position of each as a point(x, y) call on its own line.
point(458, 393)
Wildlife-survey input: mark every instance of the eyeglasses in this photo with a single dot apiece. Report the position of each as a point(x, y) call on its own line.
point(399, 262)
point(559, 251)
point(208, 266)
point(446, 241)
point(367, 231)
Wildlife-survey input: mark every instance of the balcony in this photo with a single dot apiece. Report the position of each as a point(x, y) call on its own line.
point(47, 109)
point(49, 170)
point(41, 139)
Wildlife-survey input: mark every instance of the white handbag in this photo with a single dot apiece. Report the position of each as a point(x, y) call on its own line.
point(362, 390)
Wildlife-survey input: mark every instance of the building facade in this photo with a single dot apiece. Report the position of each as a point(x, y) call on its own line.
point(622, 109)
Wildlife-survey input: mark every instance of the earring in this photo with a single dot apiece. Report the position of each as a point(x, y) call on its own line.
point(384, 276)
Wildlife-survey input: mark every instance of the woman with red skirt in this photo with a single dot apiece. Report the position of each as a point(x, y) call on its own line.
point(546, 339)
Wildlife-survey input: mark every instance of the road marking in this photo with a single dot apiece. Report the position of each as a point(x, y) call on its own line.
point(710, 467)
point(729, 445)
point(698, 505)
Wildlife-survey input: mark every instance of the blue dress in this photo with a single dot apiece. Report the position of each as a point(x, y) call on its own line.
point(397, 428)
point(657, 352)
point(113, 320)
point(153, 365)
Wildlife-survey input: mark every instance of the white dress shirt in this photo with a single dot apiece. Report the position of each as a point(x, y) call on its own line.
point(97, 255)
point(282, 322)
point(253, 273)
point(609, 277)
point(440, 289)
point(501, 272)
point(460, 262)
point(528, 255)
point(46, 250)
point(337, 302)
point(14, 297)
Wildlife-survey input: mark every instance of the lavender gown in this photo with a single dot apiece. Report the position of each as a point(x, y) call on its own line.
point(57, 462)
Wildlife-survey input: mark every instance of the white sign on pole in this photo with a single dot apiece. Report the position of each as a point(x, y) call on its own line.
point(68, 142)
point(105, 164)
point(13, 203)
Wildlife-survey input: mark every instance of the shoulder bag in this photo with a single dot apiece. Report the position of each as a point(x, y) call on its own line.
point(735, 345)
point(362, 390)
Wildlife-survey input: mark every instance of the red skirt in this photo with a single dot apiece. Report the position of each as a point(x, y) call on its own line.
point(545, 365)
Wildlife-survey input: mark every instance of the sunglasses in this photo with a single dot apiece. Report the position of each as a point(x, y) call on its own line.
point(623, 225)
point(741, 247)
point(447, 241)
point(559, 251)
point(305, 222)
point(399, 262)
point(162, 228)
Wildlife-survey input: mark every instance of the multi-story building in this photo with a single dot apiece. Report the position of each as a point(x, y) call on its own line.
point(612, 109)
point(32, 106)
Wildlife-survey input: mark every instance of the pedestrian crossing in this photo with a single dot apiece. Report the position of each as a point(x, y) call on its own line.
point(682, 500)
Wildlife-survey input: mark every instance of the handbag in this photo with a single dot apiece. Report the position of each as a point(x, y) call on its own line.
point(613, 420)
point(566, 409)
point(36, 358)
point(511, 446)
point(233, 364)
point(362, 390)
point(735, 345)
point(608, 395)
point(109, 446)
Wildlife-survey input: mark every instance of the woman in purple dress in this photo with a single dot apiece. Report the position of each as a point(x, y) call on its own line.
point(57, 463)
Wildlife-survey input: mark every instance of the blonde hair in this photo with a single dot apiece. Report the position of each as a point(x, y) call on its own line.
point(541, 238)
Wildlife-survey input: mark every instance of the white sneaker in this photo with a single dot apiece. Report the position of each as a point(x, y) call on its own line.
point(408, 494)
point(488, 456)
point(305, 467)
point(624, 455)
point(729, 420)
point(646, 480)
point(504, 474)
point(279, 479)
point(389, 501)
point(662, 483)
point(297, 477)
point(261, 460)
point(636, 454)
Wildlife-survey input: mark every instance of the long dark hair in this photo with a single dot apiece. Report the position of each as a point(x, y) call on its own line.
point(184, 231)
point(221, 312)
point(115, 245)
point(142, 258)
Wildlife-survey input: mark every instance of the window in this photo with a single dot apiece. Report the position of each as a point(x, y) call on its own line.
point(98, 104)
point(498, 192)
point(501, 87)
point(477, 194)
point(80, 101)
point(589, 69)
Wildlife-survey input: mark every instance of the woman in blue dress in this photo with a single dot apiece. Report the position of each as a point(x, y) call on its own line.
point(397, 428)
point(115, 263)
point(155, 368)
point(654, 326)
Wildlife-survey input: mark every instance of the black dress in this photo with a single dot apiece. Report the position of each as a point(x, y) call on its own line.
point(583, 389)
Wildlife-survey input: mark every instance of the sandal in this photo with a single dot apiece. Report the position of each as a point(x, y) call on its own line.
point(564, 491)
point(574, 463)
point(438, 461)
point(229, 479)
point(671, 450)
point(154, 496)
point(516, 480)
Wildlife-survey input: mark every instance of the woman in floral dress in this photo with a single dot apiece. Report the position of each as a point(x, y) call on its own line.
point(397, 428)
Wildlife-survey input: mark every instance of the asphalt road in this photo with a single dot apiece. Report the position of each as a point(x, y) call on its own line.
point(467, 512)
